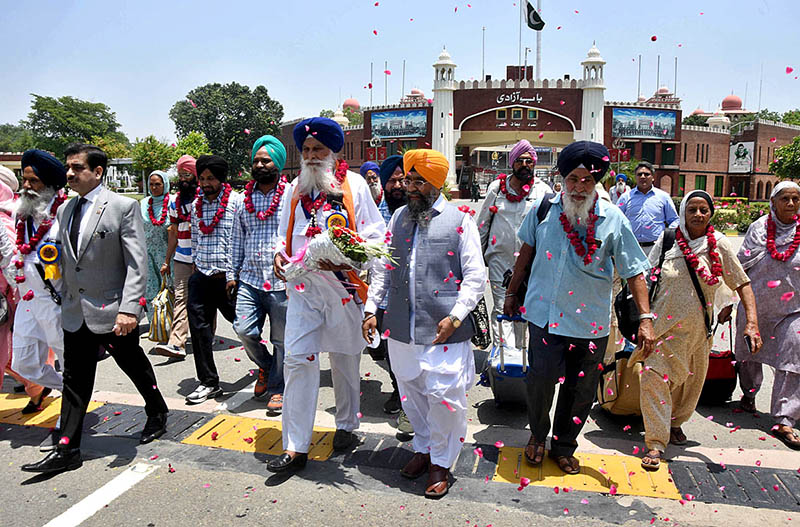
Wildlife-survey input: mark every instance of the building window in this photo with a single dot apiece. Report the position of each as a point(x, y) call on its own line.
point(719, 186)
point(759, 154)
point(667, 154)
point(767, 189)
point(649, 152)
point(700, 182)
point(681, 184)
point(502, 115)
point(759, 190)
point(697, 153)
point(533, 115)
point(685, 148)
point(516, 114)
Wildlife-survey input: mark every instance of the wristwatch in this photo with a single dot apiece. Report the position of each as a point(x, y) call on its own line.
point(454, 319)
point(647, 315)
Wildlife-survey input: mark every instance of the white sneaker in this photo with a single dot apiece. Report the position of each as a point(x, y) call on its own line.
point(169, 350)
point(203, 393)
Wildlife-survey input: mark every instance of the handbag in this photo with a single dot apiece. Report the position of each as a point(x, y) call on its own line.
point(163, 305)
point(480, 318)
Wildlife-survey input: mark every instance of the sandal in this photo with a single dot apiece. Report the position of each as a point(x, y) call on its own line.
point(787, 437)
point(748, 404)
point(568, 464)
point(651, 460)
point(676, 436)
point(538, 452)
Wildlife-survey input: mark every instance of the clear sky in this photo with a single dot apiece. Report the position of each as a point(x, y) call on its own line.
point(140, 57)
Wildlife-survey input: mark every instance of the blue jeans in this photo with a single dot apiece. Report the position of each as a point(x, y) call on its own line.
point(253, 305)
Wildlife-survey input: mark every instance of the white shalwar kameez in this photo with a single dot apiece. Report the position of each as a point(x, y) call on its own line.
point(433, 378)
point(320, 318)
point(37, 322)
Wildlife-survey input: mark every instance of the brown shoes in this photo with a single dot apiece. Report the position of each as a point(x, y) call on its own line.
point(418, 466)
point(275, 403)
point(438, 482)
point(261, 384)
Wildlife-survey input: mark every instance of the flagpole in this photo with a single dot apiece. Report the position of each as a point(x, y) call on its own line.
point(519, 54)
point(539, 45)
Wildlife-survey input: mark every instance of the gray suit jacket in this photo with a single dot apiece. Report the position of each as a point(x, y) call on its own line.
point(109, 273)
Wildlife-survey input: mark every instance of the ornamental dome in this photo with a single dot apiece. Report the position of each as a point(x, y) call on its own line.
point(698, 111)
point(352, 104)
point(732, 102)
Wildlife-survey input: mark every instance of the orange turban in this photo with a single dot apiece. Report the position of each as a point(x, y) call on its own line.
point(429, 164)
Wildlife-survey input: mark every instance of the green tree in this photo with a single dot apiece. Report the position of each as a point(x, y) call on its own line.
point(695, 120)
point(112, 146)
point(792, 117)
point(194, 144)
point(231, 116)
point(15, 138)
point(766, 115)
point(150, 154)
point(787, 160)
point(54, 123)
point(355, 117)
point(326, 113)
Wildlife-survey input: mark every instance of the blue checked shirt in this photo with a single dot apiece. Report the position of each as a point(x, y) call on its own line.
point(254, 244)
point(212, 252)
point(572, 298)
point(383, 208)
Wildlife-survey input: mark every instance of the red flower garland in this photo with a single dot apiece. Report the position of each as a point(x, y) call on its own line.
point(575, 240)
point(276, 199)
point(164, 207)
point(694, 261)
point(208, 229)
point(513, 198)
point(773, 251)
point(26, 248)
point(313, 206)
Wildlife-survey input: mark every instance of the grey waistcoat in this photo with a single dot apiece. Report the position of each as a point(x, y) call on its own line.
point(433, 296)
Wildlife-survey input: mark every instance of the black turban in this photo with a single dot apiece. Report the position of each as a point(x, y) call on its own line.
point(389, 166)
point(216, 164)
point(46, 167)
point(593, 157)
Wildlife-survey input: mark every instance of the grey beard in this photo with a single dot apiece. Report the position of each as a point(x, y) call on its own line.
point(577, 212)
point(34, 204)
point(420, 211)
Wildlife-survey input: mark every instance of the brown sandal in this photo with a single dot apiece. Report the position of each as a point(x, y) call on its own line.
point(538, 452)
point(650, 465)
point(787, 437)
point(568, 464)
point(676, 436)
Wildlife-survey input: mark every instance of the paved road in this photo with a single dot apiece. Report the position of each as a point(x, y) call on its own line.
point(217, 487)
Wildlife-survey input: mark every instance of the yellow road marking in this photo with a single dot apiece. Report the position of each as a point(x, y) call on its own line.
point(11, 404)
point(598, 474)
point(246, 434)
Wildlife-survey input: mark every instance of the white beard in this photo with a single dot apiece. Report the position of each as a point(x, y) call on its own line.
point(317, 175)
point(576, 211)
point(34, 204)
point(620, 188)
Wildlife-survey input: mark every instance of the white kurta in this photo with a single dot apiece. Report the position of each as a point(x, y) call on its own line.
point(433, 379)
point(499, 235)
point(318, 320)
point(37, 324)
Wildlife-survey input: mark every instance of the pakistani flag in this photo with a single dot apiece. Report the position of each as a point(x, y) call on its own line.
point(535, 22)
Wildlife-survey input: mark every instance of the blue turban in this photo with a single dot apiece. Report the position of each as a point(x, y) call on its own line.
point(326, 131)
point(275, 149)
point(366, 167)
point(593, 156)
point(389, 166)
point(622, 176)
point(46, 167)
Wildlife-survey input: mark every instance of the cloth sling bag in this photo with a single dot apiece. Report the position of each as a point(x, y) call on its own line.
point(352, 276)
point(163, 306)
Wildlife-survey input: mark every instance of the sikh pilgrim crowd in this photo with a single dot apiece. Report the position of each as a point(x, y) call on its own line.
point(78, 275)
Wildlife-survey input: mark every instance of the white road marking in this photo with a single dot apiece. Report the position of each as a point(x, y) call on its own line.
point(87, 507)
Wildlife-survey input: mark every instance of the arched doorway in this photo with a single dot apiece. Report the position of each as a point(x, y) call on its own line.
point(767, 190)
point(759, 189)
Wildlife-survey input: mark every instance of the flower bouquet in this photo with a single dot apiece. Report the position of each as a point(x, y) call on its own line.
point(339, 246)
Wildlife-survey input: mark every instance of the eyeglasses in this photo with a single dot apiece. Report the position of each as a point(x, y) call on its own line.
point(525, 161)
point(414, 182)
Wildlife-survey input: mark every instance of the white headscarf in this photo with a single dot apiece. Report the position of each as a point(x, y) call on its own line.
point(754, 247)
point(697, 245)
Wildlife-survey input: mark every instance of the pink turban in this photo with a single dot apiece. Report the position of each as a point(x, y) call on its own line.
point(188, 163)
point(519, 149)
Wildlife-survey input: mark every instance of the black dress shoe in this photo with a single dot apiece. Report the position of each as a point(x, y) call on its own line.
point(285, 462)
point(33, 407)
point(155, 427)
point(342, 440)
point(56, 461)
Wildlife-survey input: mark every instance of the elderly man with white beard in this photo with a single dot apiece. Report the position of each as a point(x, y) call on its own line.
point(37, 323)
point(568, 301)
point(325, 307)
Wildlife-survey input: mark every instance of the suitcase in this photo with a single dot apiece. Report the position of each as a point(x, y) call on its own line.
point(721, 376)
point(505, 371)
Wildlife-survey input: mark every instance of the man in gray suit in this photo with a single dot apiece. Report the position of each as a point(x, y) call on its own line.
point(103, 254)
